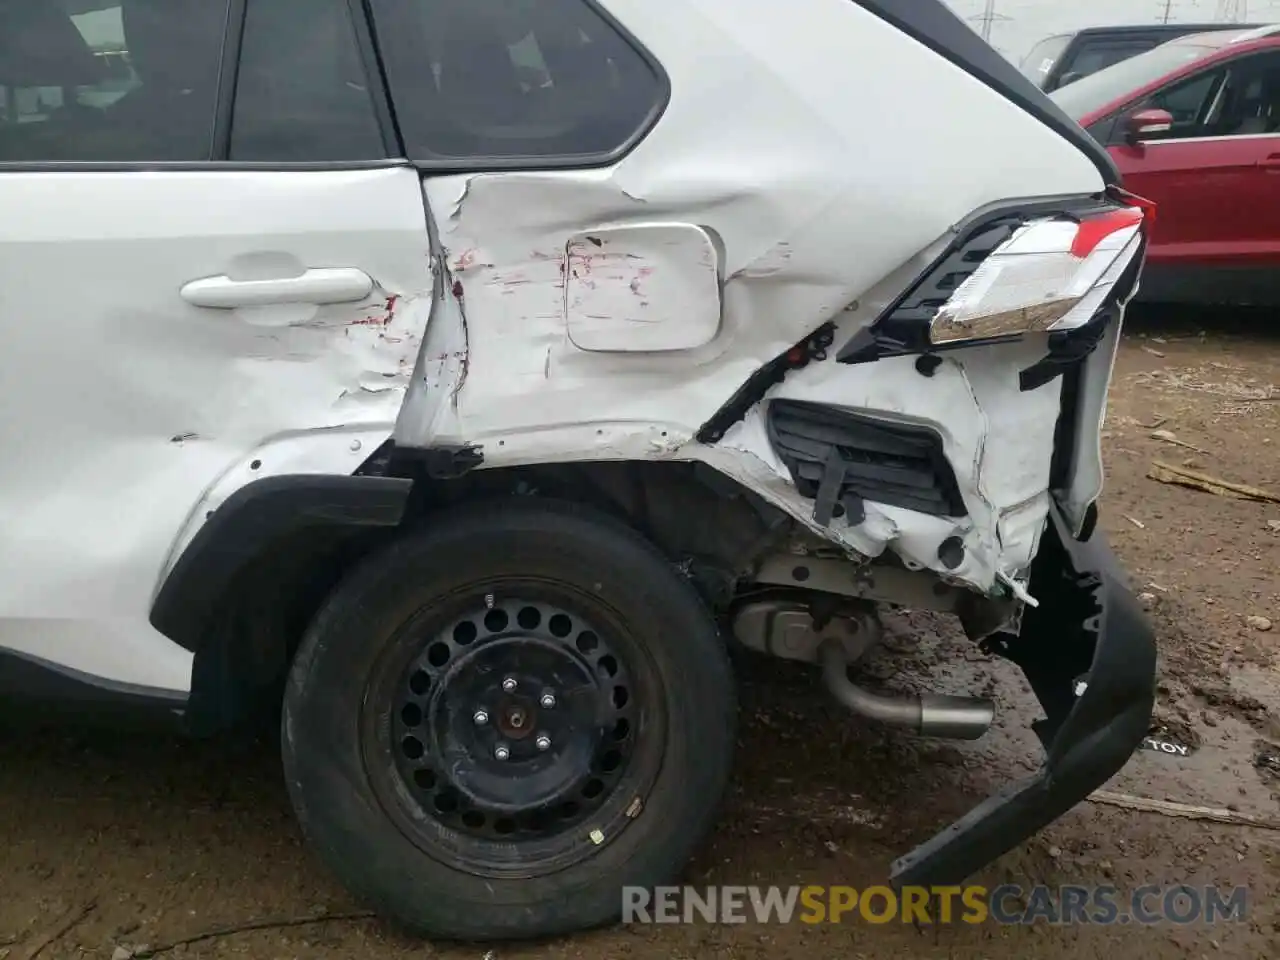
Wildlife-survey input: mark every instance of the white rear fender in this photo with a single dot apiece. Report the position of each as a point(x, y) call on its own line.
point(611, 313)
point(952, 457)
point(804, 204)
point(332, 452)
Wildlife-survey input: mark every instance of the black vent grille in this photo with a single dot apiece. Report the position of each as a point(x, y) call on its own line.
point(840, 459)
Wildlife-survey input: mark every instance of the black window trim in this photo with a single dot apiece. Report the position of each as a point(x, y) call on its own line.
point(228, 77)
point(440, 166)
point(224, 103)
point(375, 73)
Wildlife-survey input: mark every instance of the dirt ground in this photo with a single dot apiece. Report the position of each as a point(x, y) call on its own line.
point(168, 839)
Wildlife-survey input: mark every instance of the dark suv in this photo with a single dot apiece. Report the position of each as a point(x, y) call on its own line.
point(1058, 60)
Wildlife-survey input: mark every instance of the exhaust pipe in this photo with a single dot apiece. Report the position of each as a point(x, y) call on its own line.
point(930, 714)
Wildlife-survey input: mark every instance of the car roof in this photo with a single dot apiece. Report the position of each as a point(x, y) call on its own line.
point(1241, 37)
point(1181, 28)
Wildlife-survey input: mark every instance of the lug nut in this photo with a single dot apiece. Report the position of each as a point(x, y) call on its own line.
point(500, 752)
point(543, 742)
point(509, 684)
point(480, 718)
point(548, 701)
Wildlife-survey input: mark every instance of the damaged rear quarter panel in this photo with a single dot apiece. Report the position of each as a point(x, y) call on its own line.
point(998, 440)
point(810, 204)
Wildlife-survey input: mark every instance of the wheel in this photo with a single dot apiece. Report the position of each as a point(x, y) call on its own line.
point(496, 723)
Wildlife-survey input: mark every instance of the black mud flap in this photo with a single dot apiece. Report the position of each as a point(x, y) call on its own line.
point(1090, 656)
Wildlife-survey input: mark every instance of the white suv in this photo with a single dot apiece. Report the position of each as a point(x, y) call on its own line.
point(461, 376)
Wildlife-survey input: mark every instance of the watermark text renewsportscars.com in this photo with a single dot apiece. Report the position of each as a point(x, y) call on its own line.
point(1007, 904)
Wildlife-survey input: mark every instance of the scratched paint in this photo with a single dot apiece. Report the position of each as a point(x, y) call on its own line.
point(646, 287)
point(805, 224)
point(158, 409)
point(779, 208)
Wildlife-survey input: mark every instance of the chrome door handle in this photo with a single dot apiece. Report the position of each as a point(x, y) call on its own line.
point(320, 286)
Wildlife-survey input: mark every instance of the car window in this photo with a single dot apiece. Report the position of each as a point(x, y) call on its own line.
point(1249, 104)
point(1190, 102)
point(109, 81)
point(1238, 100)
point(1037, 65)
point(1099, 56)
point(506, 79)
point(301, 90)
point(1100, 89)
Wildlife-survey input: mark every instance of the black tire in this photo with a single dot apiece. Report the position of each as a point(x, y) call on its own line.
point(347, 776)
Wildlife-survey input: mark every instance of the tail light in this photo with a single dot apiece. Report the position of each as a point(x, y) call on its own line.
point(1042, 267)
point(1051, 274)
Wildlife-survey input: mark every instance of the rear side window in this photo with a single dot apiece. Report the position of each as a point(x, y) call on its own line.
point(514, 81)
point(1039, 63)
point(96, 80)
point(301, 91)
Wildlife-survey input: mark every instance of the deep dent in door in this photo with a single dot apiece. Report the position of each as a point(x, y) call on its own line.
point(370, 350)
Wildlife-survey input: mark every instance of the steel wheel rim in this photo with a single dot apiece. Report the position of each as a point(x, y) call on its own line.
point(435, 766)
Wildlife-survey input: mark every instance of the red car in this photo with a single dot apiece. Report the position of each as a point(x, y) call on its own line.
point(1194, 125)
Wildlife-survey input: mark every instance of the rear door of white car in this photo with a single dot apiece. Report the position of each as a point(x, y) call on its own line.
point(207, 246)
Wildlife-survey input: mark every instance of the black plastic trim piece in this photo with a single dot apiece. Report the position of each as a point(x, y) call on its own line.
point(933, 24)
point(840, 459)
point(30, 680)
point(228, 75)
point(253, 518)
point(1089, 628)
point(1062, 463)
point(1066, 358)
point(1067, 348)
point(904, 327)
point(811, 348)
point(376, 76)
point(443, 462)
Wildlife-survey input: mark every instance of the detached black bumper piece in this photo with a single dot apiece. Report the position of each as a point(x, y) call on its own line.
point(1090, 657)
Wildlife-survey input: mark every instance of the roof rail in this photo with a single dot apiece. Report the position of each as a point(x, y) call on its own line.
point(1257, 33)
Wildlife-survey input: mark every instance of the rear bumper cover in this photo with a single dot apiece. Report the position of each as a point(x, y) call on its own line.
point(1089, 629)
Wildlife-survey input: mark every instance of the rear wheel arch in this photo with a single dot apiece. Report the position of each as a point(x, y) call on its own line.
point(249, 583)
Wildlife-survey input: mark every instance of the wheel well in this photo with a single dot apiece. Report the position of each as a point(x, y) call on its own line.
point(706, 522)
